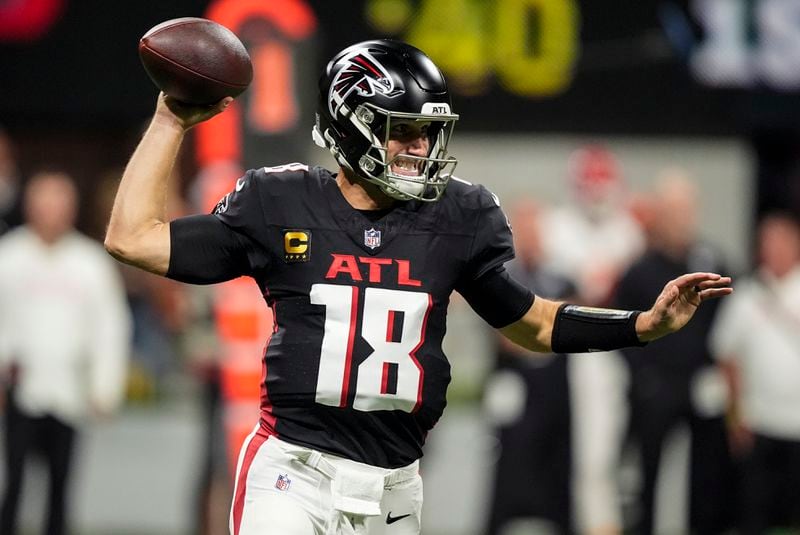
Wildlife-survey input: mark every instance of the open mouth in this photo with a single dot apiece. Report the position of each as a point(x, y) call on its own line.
point(406, 167)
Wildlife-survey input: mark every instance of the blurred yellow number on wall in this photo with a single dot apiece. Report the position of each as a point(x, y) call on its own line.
point(546, 67)
point(530, 45)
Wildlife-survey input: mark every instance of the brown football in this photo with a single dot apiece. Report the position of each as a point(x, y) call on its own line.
point(196, 61)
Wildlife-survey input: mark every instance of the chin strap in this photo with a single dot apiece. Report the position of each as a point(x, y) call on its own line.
point(316, 135)
point(326, 141)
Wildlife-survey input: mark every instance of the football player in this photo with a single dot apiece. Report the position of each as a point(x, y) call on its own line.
point(358, 265)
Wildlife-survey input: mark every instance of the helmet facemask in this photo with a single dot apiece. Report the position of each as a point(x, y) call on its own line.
point(405, 176)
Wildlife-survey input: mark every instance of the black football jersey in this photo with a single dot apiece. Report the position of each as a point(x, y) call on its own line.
point(355, 366)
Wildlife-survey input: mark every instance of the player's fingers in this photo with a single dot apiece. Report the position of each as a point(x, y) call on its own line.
point(222, 104)
point(722, 282)
point(711, 293)
point(692, 279)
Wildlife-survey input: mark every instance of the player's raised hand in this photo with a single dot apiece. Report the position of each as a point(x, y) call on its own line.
point(677, 303)
point(188, 115)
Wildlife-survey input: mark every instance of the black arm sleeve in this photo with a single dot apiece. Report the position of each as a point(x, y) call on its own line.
point(580, 329)
point(204, 250)
point(497, 297)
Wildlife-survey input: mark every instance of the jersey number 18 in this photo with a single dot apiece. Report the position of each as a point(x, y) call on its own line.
point(393, 324)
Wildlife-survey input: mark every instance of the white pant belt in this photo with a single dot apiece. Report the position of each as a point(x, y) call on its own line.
point(317, 461)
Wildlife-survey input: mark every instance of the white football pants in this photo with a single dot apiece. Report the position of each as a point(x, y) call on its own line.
point(283, 489)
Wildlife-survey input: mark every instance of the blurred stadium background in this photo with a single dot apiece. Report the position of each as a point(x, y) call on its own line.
point(711, 86)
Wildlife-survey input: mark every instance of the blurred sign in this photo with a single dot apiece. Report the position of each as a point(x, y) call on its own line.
point(530, 47)
point(747, 43)
point(583, 66)
point(270, 121)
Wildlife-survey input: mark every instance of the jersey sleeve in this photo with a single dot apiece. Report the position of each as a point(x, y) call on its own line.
point(497, 297)
point(242, 209)
point(492, 244)
point(213, 248)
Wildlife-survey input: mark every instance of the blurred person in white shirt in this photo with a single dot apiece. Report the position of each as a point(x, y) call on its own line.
point(64, 340)
point(593, 238)
point(756, 339)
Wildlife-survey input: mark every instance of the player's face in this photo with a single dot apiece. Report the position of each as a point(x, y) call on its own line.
point(411, 138)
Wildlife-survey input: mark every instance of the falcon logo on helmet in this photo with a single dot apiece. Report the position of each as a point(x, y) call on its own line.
point(361, 73)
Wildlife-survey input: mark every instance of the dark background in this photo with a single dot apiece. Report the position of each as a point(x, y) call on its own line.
point(78, 82)
point(628, 77)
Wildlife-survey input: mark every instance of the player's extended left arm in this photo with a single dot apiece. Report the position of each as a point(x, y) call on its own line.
point(549, 326)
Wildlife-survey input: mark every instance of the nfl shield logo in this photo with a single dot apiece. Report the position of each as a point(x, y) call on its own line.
point(283, 482)
point(372, 238)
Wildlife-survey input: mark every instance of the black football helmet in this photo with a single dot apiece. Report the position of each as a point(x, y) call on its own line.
point(365, 90)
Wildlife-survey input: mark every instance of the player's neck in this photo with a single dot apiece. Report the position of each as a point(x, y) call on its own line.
point(362, 195)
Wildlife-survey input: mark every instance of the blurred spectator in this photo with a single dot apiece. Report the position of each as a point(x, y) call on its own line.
point(672, 380)
point(528, 401)
point(10, 210)
point(756, 338)
point(64, 334)
point(592, 240)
